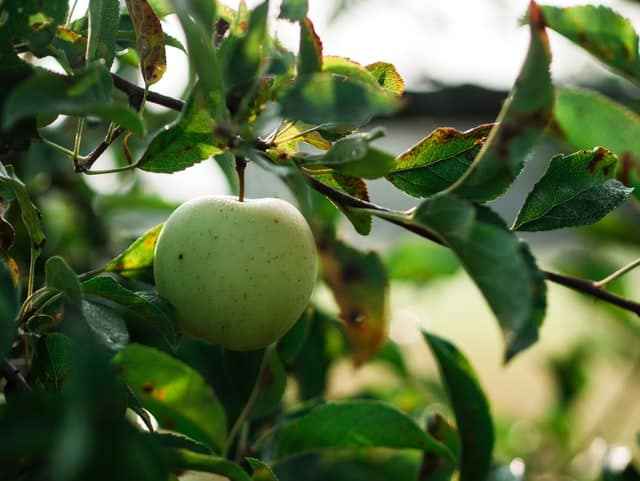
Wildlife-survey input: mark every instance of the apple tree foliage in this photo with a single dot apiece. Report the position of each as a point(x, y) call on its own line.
point(84, 352)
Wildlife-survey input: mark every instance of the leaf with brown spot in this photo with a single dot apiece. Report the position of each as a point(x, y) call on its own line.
point(138, 256)
point(521, 122)
point(360, 286)
point(437, 161)
point(387, 76)
point(577, 189)
point(149, 40)
point(310, 50)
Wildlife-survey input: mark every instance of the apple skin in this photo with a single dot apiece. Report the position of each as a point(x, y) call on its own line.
point(238, 273)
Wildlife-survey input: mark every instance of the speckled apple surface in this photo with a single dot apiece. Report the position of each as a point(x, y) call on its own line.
point(238, 273)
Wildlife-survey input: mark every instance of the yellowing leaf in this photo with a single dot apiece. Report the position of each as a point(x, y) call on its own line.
point(137, 256)
point(149, 40)
point(361, 289)
point(387, 76)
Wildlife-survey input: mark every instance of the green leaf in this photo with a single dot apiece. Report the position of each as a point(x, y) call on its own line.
point(346, 67)
point(520, 123)
point(138, 256)
point(106, 324)
point(148, 319)
point(52, 361)
point(348, 424)
point(310, 50)
point(104, 17)
point(9, 307)
point(291, 344)
point(586, 119)
point(577, 189)
point(150, 40)
point(353, 186)
point(294, 10)
point(470, 407)
point(245, 60)
point(32, 21)
point(360, 286)
point(437, 161)
point(387, 76)
point(173, 440)
point(418, 262)
point(497, 261)
point(434, 468)
point(183, 460)
point(174, 393)
point(354, 156)
point(328, 98)
point(188, 141)
point(60, 276)
point(601, 31)
point(261, 470)
point(85, 94)
point(30, 214)
point(198, 19)
point(391, 354)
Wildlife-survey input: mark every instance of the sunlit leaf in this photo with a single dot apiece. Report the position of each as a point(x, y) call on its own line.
point(188, 141)
point(387, 76)
point(174, 393)
point(310, 50)
point(520, 123)
point(437, 161)
point(150, 40)
point(360, 285)
point(470, 407)
point(138, 256)
point(577, 189)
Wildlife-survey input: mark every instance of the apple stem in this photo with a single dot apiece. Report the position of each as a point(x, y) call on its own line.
point(241, 164)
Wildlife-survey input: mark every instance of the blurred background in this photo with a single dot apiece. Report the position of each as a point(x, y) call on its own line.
point(459, 58)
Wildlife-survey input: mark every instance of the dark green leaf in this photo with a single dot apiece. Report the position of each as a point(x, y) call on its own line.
point(521, 122)
point(150, 40)
point(577, 189)
point(184, 460)
point(261, 470)
point(188, 141)
point(197, 19)
point(60, 276)
point(107, 325)
point(387, 76)
point(419, 262)
point(245, 59)
point(85, 94)
point(601, 31)
point(138, 256)
point(148, 319)
point(9, 306)
point(310, 50)
point(294, 10)
point(470, 407)
point(52, 361)
point(348, 424)
point(174, 393)
point(32, 21)
point(292, 343)
point(173, 440)
point(104, 17)
point(360, 286)
point(499, 263)
point(327, 98)
point(13, 187)
point(437, 161)
point(433, 467)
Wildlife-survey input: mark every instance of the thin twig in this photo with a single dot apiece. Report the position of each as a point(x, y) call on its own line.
point(620, 272)
point(134, 91)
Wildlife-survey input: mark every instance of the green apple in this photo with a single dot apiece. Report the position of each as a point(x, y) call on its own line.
point(238, 273)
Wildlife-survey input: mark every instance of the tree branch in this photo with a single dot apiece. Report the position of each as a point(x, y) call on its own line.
point(137, 93)
point(12, 374)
